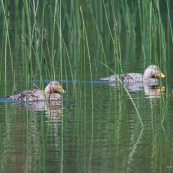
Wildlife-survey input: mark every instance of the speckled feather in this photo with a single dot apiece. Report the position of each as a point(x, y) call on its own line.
point(50, 93)
point(149, 76)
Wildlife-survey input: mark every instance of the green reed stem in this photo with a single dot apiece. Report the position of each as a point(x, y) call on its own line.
point(91, 76)
point(89, 57)
point(169, 18)
point(140, 119)
point(7, 43)
point(115, 39)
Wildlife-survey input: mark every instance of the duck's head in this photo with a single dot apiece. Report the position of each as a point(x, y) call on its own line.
point(153, 71)
point(54, 87)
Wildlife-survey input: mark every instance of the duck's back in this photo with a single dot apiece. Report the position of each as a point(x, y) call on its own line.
point(131, 77)
point(29, 95)
point(127, 77)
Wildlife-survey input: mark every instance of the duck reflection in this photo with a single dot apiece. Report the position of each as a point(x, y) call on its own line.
point(154, 91)
point(30, 130)
point(53, 112)
point(53, 109)
point(151, 91)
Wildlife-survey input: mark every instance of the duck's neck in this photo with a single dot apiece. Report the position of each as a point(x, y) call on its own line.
point(149, 74)
point(48, 90)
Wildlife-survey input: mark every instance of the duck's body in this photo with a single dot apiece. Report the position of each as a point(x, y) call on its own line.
point(50, 93)
point(149, 77)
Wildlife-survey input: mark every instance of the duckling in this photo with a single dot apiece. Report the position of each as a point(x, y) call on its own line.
point(51, 92)
point(149, 77)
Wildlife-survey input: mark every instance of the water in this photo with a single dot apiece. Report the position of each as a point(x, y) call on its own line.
point(44, 137)
point(96, 128)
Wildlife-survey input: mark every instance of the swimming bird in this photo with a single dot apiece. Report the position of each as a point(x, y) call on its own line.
point(51, 92)
point(150, 76)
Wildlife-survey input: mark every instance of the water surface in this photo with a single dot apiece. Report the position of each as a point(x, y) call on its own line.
point(96, 128)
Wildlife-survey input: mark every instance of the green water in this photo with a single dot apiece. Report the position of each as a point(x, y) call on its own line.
point(96, 128)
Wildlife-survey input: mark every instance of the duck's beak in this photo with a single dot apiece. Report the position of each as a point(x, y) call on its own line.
point(160, 74)
point(60, 89)
point(160, 89)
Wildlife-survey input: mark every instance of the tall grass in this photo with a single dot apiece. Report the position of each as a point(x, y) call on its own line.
point(6, 43)
point(54, 41)
point(44, 31)
point(81, 41)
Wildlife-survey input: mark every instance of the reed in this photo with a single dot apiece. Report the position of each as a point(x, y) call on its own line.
point(41, 57)
point(128, 93)
point(169, 19)
point(6, 42)
point(79, 42)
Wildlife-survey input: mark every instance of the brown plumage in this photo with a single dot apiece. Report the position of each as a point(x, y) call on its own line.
point(51, 92)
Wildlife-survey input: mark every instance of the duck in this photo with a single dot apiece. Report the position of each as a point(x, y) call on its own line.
point(50, 93)
point(150, 76)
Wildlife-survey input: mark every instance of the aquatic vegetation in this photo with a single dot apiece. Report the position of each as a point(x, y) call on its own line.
point(78, 42)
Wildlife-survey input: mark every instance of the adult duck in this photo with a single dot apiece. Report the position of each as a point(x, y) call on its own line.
point(51, 92)
point(150, 76)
